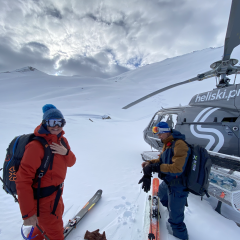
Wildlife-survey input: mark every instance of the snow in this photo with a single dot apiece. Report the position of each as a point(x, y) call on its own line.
point(108, 150)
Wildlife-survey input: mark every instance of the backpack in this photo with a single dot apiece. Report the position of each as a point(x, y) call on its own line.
point(15, 152)
point(13, 159)
point(197, 171)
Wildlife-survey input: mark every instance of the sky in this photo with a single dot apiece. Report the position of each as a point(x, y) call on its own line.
point(104, 38)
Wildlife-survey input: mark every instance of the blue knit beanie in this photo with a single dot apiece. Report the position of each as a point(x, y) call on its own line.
point(163, 127)
point(51, 112)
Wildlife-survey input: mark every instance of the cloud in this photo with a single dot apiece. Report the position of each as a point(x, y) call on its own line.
point(38, 47)
point(97, 66)
point(106, 37)
point(54, 13)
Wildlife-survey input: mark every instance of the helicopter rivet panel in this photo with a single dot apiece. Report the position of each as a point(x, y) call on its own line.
point(228, 131)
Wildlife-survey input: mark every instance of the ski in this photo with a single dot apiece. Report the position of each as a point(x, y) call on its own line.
point(154, 233)
point(72, 223)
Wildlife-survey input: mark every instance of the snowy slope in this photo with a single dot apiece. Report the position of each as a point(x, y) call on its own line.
point(107, 151)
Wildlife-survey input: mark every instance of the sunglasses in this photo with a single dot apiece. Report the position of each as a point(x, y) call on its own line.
point(55, 122)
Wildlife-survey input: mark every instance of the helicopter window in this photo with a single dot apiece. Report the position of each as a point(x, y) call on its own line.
point(171, 119)
point(229, 119)
point(155, 120)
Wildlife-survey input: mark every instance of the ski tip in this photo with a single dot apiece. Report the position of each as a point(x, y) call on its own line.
point(99, 191)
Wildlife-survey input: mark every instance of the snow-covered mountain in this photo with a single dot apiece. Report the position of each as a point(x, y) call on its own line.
point(108, 151)
point(25, 70)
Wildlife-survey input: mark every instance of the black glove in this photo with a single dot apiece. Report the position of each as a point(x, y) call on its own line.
point(156, 167)
point(147, 171)
point(146, 180)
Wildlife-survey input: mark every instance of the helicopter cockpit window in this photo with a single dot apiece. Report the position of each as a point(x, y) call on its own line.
point(171, 119)
point(156, 119)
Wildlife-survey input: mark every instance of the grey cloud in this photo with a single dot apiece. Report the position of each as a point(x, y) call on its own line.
point(99, 18)
point(54, 13)
point(11, 58)
point(89, 66)
point(38, 46)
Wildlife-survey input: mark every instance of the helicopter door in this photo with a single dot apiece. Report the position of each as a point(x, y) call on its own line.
point(215, 129)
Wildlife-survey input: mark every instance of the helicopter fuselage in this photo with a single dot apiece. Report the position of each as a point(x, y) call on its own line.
point(211, 120)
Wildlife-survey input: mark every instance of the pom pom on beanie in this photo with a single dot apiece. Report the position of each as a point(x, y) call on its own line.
point(47, 107)
point(51, 112)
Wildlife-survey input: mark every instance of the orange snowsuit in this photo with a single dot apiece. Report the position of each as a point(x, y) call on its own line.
point(51, 224)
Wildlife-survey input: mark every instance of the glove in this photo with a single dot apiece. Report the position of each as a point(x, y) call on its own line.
point(156, 167)
point(146, 180)
point(147, 171)
point(150, 168)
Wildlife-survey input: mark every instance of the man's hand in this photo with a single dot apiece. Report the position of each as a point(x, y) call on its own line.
point(144, 164)
point(32, 221)
point(59, 149)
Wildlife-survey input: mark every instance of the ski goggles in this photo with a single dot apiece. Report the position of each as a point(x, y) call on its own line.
point(55, 122)
point(158, 130)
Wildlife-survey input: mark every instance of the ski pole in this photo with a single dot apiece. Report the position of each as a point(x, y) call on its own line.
point(42, 232)
point(16, 200)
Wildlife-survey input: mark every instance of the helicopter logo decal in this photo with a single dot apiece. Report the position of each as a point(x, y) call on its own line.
point(201, 117)
point(217, 95)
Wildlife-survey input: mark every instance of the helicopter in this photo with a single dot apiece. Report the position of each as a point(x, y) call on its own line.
point(211, 119)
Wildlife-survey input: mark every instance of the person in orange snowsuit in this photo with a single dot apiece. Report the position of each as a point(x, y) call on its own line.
point(51, 129)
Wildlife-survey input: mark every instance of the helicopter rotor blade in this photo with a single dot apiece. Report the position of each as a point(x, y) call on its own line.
point(199, 78)
point(232, 38)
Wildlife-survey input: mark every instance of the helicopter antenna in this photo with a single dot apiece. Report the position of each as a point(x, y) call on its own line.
point(216, 80)
point(235, 78)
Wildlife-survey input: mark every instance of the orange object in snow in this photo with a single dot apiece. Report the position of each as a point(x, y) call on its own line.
point(222, 195)
point(154, 232)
